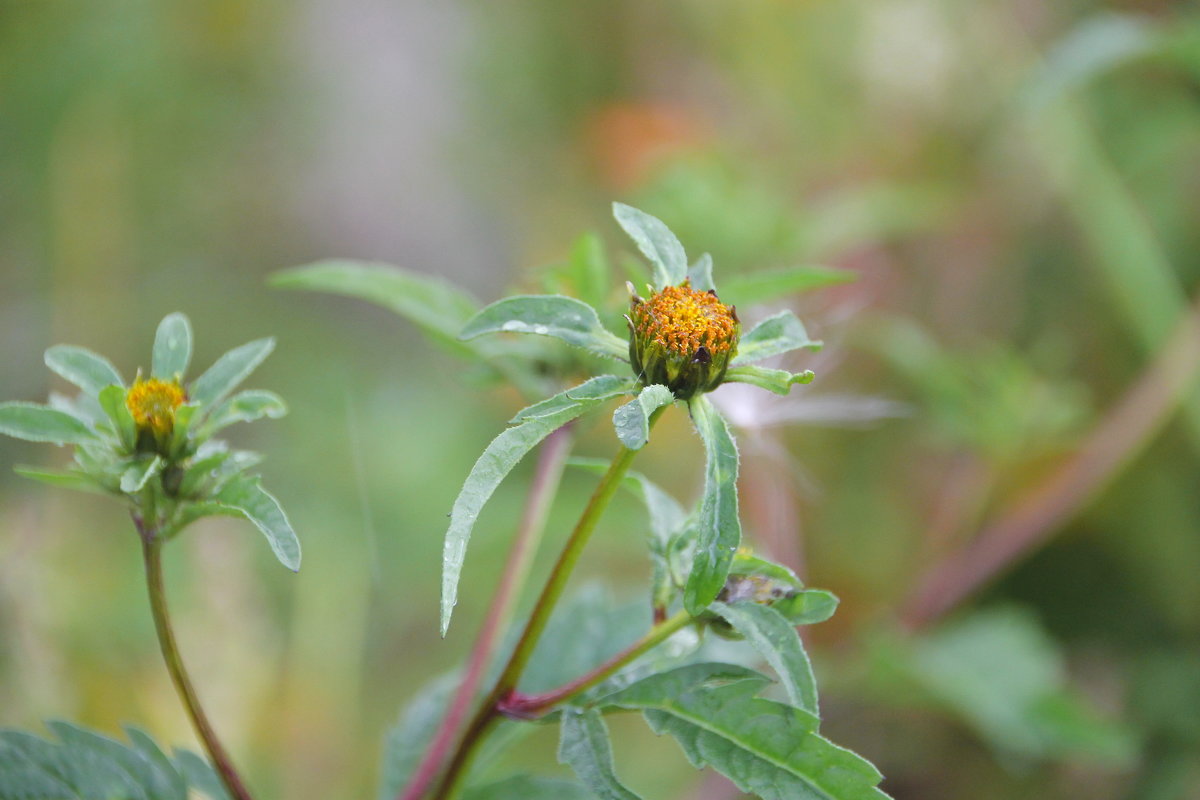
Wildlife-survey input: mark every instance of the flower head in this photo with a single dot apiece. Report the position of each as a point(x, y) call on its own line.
point(682, 338)
point(152, 404)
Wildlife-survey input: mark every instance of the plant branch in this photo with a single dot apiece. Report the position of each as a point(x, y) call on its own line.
point(552, 457)
point(152, 544)
point(527, 706)
point(1115, 441)
point(488, 711)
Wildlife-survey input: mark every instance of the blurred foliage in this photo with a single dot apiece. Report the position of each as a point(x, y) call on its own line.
point(1016, 181)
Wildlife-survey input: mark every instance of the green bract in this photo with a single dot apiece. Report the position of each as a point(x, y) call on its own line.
point(150, 442)
point(683, 343)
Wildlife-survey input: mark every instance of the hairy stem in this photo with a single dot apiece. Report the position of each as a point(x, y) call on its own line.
point(551, 459)
point(489, 710)
point(152, 555)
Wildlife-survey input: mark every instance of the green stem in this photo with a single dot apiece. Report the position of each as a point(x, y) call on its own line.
point(152, 555)
point(489, 711)
point(533, 705)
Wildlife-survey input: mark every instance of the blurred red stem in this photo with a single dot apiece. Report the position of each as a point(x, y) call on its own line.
point(1115, 441)
point(552, 457)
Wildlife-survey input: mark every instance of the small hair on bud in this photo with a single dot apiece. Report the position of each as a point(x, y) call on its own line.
point(633, 295)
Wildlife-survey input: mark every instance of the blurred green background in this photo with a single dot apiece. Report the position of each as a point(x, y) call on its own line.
point(1015, 183)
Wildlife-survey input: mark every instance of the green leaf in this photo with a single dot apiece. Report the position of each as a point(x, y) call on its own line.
point(589, 266)
point(262, 509)
point(775, 335)
point(769, 749)
point(139, 473)
point(172, 347)
point(758, 287)
point(498, 459)
point(82, 367)
point(601, 387)
point(777, 642)
point(408, 739)
point(229, 370)
point(38, 423)
point(80, 481)
point(528, 787)
point(701, 274)
point(678, 681)
point(434, 305)
point(583, 745)
point(656, 242)
point(719, 531)
point(779, 381)
point(84, 764)
point(245, 406)
point(190, 512)
point(632, 420)
point(807, 607)
point(112, 400)
point(200, 775)
point(566, 318)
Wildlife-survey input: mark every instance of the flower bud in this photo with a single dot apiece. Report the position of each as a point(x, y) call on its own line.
point(682, 338)
point(152, 404)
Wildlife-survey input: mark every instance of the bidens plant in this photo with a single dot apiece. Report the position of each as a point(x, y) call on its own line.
point(150, 444)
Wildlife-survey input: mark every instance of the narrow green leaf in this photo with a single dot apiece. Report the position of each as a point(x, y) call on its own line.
point(700, 274)
point(583, 745)
point(769, 749)
point(172, 347)
point(432, 304)
point(229, 370)
point(566, 318)
point(245, 406)
point(632, 420)
point(139, 473)
point(719, 531)
point(112, 400)
point(656, 242)
point(262, 509)
point(779, 381)
point(504, 452)
point(807, 607)
point(758, 287)
point(777, 334)
point(687, 679)
point(82, 367)
point(777, 642)
point(528, 787)
point(38, 423)
point(601, 387)
point(79, 481)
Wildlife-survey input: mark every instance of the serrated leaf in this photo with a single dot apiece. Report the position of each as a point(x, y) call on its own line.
point(528, 787)
point(758, 287)
point(807, 607)
point(583, 746)
point(112, 400)
point(632, 420)
point(434, 305)
point(565, 318)
point(70, 479)
point(229, 370)
point(700, 274)
point(262, 509)
point(134, 478)
point(779, 381)
point(245, 406)
point(777, 334)
point(777, 642)
point(172, 347)
point(38, 423)
point(718, 529)
point(769, 749)
point(657, 243)
point(601, 387)
point(497, 460)
point(87, 370)
point(144, 745)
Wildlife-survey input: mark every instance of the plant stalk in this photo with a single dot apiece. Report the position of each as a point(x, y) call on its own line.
point(489, 710)
point(152, 555)
point(552, 457)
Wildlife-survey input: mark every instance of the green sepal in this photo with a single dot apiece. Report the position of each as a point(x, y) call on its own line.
point(38, 423)
point(779, 381)
point(112, 400)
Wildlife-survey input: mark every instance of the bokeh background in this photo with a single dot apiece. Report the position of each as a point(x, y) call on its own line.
point(996, 468)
